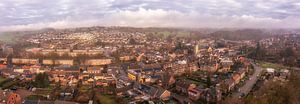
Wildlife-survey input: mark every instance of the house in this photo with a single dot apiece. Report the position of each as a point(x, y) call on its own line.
point(18, 70)
point(151, 68)
point(37, 69)
point(226, 64)
point(109, 78)
point(236, 77)
point(284, 74)
point(97, 62)
point(58, 62)
point(64, 73)
point(102, 83)
point(94, 70)
point(145, 79)
point(228, 85)
point(212, 95)
point(184, 86)
point(242, 73)
point(20, 61)
point(149, 78)
point(27, 74)
point(8, 73)
point(127, 58)
point(152, 92)
point(67, 69)
point(270, 70)
point(3, 66)
point(195, 93)
point(167, 80)
point(134, 74)
point(159, 93)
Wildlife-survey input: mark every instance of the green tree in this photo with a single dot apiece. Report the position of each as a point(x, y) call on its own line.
point(289, 56)
point(132, 41)
point(41, 80)
point(258, 53)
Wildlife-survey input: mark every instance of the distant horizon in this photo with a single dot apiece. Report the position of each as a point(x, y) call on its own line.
point(192, 28)
point(18, 15)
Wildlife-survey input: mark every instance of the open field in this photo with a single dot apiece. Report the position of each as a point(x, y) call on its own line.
point(10, 37)
point(165, 34)
point(271, 65)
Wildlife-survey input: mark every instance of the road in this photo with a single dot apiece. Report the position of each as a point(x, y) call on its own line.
point(245, 89)
point(296, 68)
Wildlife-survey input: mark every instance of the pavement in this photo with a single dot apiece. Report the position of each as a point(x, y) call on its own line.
point(245, 89)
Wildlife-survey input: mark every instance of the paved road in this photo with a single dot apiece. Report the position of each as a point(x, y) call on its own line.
point(296, 68)
point(245, 89)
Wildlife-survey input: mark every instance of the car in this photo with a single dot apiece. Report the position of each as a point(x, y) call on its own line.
point(14, 88)
point(241, 95)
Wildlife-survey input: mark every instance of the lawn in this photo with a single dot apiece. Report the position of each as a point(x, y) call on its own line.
point(162, 34)
point(106, 99)
point(45, 91)
point(35, 97)
point(195, 81)
point(271, 65)
point(2, 79)
point(183, 34)
point(9, 84)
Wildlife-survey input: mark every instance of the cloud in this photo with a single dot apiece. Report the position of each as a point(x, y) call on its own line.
point(36, 14)
point(162, 18)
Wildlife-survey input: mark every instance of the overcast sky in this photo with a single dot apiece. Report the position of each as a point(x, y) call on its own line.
point(36, 14)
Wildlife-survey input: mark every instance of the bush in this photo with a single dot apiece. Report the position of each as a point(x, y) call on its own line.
point(36, 97)
point(4, 81)
point(8, 84)
point(42, 80)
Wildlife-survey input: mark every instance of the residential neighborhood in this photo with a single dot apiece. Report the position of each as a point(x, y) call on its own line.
point(102, 65)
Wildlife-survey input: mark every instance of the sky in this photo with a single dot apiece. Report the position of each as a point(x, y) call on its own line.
point(38, 14)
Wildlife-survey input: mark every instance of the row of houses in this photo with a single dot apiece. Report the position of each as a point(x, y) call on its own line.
point(65, 74)
point(24, 61)
point(198, 92)
point(230, 83)
point(69, 52)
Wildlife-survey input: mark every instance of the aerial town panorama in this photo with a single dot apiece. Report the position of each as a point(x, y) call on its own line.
point(149, 52)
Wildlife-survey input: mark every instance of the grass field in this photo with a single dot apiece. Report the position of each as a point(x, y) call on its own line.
point(2, 79)
point(44, 91)
point(271, 65)
point(106, 99)
point(10, 37)
point(165, 34)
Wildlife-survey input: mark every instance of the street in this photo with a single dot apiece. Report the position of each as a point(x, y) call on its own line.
point(245, 89)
